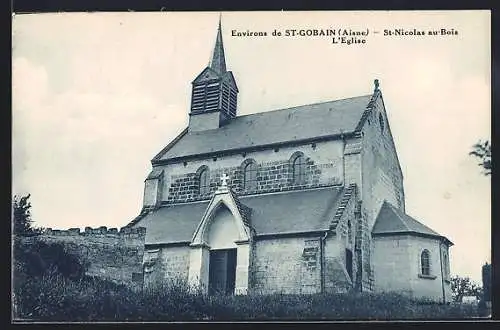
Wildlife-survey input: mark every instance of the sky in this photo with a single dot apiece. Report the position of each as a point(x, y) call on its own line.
point(97, 95)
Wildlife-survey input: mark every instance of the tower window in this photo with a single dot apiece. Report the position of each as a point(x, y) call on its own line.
point(205, 97)
point(425, 263)
point(204, 181)
point(250, 176)
point(299, 169)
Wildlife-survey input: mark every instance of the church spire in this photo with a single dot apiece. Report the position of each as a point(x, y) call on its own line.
point(218, 60)
point(214, 95)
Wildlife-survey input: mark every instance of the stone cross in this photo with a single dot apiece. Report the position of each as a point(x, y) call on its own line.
point(224, 179)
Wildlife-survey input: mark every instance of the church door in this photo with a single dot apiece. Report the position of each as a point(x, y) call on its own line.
point(222, 271)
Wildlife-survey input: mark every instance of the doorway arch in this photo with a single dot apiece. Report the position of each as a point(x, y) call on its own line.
point(220, 248)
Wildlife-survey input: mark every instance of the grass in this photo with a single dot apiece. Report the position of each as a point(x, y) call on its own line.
point(55, 298)
point(50, 285)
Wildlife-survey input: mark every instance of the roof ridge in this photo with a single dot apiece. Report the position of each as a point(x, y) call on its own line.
point(163, 151)
point(244, 210)
point(402, 216)
point(369, 107)
point(421, 224)
point(302, 105)
point(292, 191)
point(396, 211)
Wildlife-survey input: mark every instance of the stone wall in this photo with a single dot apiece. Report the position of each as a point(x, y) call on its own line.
point(392, 264)
point(397, 265)
point(371, 162)
point(166, 264)
point(432, 286)
point(288, 265)
point(276, 265)
point(382, 178)
point(112, 254)
point(271, 177)
point(180, 181)
point(337, 278)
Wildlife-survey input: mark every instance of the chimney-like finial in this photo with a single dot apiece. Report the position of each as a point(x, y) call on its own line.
point(376, 83)
point(218, 60)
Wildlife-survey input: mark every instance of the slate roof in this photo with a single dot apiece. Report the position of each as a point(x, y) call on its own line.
point(245, 211)
point(218, 60)
point(271, 127)
point(392, 220)
point(277, 213)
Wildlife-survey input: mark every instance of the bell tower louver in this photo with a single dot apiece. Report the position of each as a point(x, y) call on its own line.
point(214, 92)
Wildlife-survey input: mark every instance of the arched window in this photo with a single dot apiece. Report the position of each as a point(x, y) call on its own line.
point(250, 176)
point(204, 181)
point(425, 262)
point(299, 169)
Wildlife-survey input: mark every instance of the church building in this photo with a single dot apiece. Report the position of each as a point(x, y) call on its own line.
point(307, 199)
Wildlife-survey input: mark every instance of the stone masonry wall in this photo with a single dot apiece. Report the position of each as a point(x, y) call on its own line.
point(271, 177)
point(428, 287)
point(392, 264)
point(336, 277)
point(346, 239)
point(397, 265)
point(287, 265)
point(111, 254)
point(166, 264)
point(382, 177)
point(397, 260)
point(371, 162)
point(324, 167)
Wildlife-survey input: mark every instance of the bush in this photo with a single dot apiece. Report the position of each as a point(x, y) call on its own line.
point(50, 285)
point(56, 298)
point(37, 258)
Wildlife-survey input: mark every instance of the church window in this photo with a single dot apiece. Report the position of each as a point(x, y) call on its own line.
point(425, 263)
point(250, 176)
point(204, 181)
point(299, 169)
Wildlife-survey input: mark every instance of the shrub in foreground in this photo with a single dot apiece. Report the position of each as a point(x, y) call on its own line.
point(34, 257)
point(56, 298)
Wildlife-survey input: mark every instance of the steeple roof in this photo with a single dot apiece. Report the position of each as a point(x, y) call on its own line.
point(218, 60)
